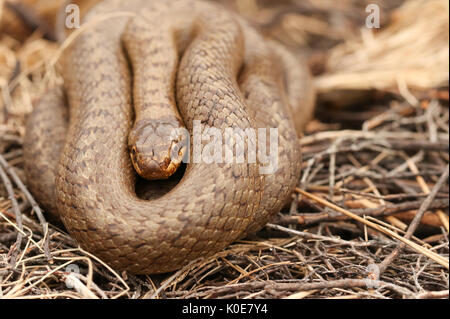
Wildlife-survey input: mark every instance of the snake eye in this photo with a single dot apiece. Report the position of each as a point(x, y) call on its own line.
point(134, 151)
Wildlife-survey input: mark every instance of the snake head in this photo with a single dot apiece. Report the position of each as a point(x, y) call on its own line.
point(157, 148)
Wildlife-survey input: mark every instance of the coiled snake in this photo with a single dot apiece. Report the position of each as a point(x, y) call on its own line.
point(174, 61)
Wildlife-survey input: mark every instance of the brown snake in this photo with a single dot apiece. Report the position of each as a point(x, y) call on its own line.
point(217, 70)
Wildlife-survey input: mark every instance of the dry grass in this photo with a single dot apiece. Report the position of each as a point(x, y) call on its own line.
point(412, 52)
point(374, 189)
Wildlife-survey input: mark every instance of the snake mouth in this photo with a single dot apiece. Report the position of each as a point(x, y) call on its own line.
point(151, 169)
point(158, 162)
point(136, 166)
point(135, 162)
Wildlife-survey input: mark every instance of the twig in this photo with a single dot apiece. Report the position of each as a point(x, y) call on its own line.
point(305, 219)
point(17, 213)
point(33, 204)
point(365, 135)
point(433, 294)
point(301, 286)
point(416, 221)
point(319, 237)
point(426, 189)
point(432, 255)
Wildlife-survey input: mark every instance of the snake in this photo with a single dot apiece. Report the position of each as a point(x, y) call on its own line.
point(186, 64)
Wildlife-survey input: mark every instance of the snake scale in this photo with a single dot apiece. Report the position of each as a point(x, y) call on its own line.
point(217, 70)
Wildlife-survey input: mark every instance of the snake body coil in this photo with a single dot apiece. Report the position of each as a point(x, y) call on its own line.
point(218, 71)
